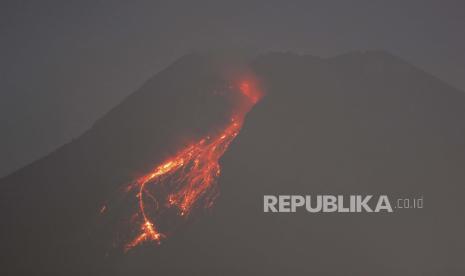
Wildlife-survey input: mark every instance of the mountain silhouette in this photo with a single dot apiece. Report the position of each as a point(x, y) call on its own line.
point(358, 123)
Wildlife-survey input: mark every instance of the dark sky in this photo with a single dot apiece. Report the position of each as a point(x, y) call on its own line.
point(63, 65)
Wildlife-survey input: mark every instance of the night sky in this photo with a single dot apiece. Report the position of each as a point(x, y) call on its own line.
point(64, 65)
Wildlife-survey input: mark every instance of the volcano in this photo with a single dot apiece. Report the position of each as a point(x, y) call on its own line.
point(358, 123)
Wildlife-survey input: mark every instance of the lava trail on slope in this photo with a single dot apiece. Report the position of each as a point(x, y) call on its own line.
point(187, 180)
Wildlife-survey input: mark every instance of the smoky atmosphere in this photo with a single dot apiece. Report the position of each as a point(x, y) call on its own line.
point(232, 137)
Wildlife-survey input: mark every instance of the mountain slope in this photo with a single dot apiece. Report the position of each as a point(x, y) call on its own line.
point(359, 123)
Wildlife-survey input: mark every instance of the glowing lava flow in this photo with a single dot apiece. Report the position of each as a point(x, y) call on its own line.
point(187, 178)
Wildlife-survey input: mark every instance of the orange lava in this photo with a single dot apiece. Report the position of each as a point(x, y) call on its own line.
point(189, 178)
